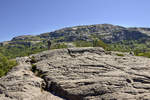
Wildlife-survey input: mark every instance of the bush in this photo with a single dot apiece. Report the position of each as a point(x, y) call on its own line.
point(59, 46)
point(34, 68)
point(99, 43)
point(119, 54)
point(33, 60)
point(82, 43)
point(145, 54)
point(6, 65)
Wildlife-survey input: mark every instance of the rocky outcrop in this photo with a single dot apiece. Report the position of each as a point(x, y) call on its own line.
point(106, 32)
point(22, 84)
point(79, 74)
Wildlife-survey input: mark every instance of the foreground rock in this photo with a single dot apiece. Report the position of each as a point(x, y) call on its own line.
point(80, 74)
point(22, 84)
point(94, 74)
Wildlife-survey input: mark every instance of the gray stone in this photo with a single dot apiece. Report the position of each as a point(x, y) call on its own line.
point(79, 74)
point(94, 74)
point(21, 84)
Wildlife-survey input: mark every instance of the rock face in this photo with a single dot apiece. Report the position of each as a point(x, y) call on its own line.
point(79, 74)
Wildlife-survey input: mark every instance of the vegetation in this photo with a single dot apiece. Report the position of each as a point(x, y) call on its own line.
point(100, 43)
point(24, 47)
point(6, 65)
point(139, 49)
point(145, 54)
point(19, 50)
point(58, 46)
point(33, 60)
point(119, 54)
point(82, 43)
point(34, 68)
point(94, 43)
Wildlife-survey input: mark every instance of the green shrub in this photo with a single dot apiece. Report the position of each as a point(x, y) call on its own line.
point(33, 60)
point(6, 65)
point(34, 68)
point(119, 54)
point(145, 54)
point(59, 46)
point(100, 43)
point(83, 44)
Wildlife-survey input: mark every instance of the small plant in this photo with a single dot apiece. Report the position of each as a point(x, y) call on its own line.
point(119, 54)
point(34, 68)
point(33, 60)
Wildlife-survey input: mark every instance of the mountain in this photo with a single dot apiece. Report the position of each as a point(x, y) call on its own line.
point(117, 37)
point(107, 32)
point(78, 74)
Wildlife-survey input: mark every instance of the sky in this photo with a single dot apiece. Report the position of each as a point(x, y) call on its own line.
point(32, 17)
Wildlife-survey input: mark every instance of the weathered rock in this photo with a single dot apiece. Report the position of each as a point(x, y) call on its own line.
point(80, 74)
point(94, 74)
point(22, 84)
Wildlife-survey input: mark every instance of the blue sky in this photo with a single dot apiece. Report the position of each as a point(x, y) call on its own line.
point(23, 17)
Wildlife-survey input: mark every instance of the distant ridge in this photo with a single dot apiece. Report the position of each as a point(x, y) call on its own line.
point(118, 37)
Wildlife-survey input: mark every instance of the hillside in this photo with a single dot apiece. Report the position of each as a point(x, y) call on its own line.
point(107, 32)
point(118, 38)
point(78, 74)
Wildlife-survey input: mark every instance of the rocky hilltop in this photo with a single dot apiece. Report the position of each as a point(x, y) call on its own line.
point(107, 32)
point(118, 38)
point(78, 74)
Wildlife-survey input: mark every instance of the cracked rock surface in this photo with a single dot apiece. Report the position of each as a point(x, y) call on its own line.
point(21, 84)
point(79, 74)
point(95, 74)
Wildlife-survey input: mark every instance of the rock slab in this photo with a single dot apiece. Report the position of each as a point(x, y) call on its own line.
point(81, 74)
point(95, 74)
